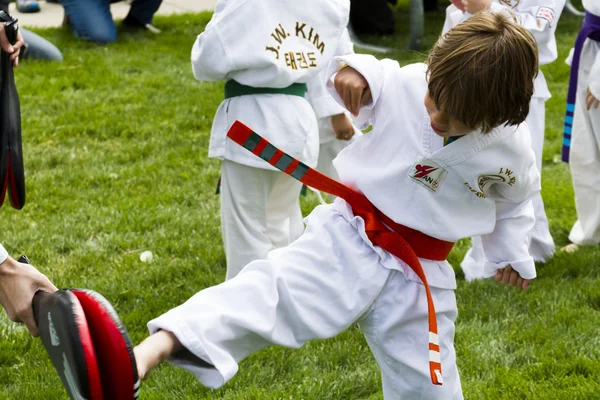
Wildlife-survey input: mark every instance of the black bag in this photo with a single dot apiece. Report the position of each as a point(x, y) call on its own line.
point(12, 174)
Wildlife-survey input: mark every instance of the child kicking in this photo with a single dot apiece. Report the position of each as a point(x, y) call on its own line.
point(582, 129)
point(475, 87)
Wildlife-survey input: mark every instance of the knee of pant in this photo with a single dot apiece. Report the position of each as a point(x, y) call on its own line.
point(101, 34)
point(46, 54)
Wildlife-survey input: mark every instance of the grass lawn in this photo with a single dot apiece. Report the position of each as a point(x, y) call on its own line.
point(115, 140)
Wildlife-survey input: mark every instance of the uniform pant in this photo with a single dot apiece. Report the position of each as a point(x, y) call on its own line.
point(315, 288)
point(260, 211)
point(541, 245)
point(584, 161)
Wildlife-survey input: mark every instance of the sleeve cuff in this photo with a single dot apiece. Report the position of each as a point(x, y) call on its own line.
point(3, 254)
point(525, 268)
point(194, 358)
point(370, 68)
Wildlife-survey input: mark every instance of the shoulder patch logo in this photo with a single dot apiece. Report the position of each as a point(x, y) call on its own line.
point(546, 13)
point(427, 173)
point(504, 176)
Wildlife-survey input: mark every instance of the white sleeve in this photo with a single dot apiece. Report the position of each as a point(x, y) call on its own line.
point(318, 96)
point(594, 80)
point(372, 70)
point(509, 242)
point(3, 254)
point(209, 57)
point(537, 16)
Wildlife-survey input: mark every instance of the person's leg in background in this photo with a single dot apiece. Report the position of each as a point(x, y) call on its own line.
point(284, 217)
point(28, 6)
point(142, 13)
point(541, 247)
point(38, 48)
point(584, 162)
point(244, 195)
point(91, 20)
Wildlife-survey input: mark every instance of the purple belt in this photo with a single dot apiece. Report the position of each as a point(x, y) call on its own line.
point(589, 30)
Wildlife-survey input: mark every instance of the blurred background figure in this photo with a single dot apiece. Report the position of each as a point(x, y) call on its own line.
point(36, 47)
point(92, 20)
point(28, 6)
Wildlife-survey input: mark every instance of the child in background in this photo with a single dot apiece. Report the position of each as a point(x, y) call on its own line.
point(540, 18)
point(266, 51)
point(336, 130)
point(340, 270)
point(582, 130)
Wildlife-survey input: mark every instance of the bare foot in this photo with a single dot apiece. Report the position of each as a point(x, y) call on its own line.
point(152, 351)
point(570, 248)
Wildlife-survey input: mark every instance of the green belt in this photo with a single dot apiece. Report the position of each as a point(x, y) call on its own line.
point(235, 89)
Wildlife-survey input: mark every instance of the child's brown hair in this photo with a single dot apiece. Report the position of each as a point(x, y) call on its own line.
point(481, 72)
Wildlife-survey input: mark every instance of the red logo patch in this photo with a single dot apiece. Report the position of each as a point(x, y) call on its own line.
point(423, 170)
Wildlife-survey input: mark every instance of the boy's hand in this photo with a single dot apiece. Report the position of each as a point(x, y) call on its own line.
point(508, 276)
point(153, 351)
point(591, 100)
point(353, 89)
point(473, 6)
point(342, 126)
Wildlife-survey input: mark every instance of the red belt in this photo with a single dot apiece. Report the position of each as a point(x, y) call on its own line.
point(405, 243)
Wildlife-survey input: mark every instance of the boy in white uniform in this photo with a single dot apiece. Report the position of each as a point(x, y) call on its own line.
point(582, 129)
point(266, 51)
point(539, 17)
point(335, 274)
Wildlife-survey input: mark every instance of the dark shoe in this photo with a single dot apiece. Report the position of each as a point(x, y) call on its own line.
point(131, 22)
point(28, 6)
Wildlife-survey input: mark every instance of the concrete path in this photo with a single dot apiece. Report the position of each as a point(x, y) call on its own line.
point(52, 13)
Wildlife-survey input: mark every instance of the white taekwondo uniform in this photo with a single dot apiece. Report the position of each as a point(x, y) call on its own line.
point(585, 143)
point(539, 17)
point(265, 44)
point(333, 276)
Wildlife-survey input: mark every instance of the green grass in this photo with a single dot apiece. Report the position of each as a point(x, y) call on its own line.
point(116, 139)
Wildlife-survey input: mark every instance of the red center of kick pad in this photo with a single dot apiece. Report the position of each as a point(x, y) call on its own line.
point(88, 351)
point(114, 350)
